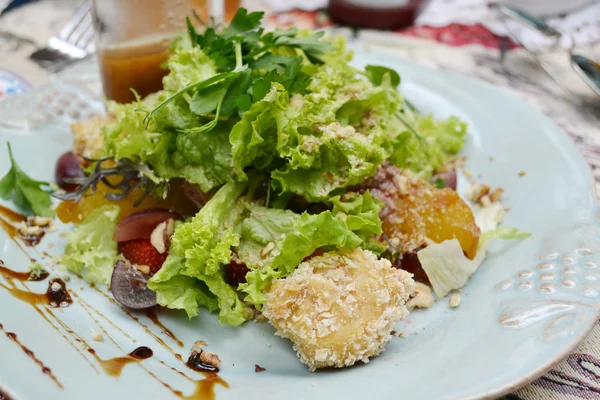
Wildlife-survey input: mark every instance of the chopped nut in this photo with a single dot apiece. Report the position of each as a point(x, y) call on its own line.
point(522, 173)
point(144, 269)
point(198, 345)
point(485, 200)
point(52, 228)
point(421, 297)
point(210, 358)
point(97, 336)
point(26, 230)
point(398, 334)
point(260, 318)
point(258, 368)
point(454, 300)
point(477, 191)
point(55, 287)
point(496, 194)
point(401, 183)
point(38, 221)
point(161, 234)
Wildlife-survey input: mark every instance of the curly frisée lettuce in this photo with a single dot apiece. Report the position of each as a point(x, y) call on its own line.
point(192, 275)
point(286, 103)
point(274, 242)
point(448, 268)
point(91, 250)
point(271, 242)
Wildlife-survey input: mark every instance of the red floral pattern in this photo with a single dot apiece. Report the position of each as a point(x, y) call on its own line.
point(460, 35)
point(453, 34)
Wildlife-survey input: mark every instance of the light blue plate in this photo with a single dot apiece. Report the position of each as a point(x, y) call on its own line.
point(529, 305)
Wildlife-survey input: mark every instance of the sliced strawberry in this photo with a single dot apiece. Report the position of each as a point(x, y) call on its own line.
point(141, 252)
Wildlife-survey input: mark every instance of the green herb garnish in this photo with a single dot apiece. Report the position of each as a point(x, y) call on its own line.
point(247, 69)
point(29, 195)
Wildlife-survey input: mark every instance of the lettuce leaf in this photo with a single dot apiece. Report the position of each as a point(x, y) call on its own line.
point(274, 242)
point(186, 66)
point(330, 138)
point(448, 268)
point(193, 272)
point(436, 141)
point(91, 250)
point(504, 233)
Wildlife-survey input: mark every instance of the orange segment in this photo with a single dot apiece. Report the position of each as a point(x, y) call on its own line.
point(70, 211)
point(417, 213)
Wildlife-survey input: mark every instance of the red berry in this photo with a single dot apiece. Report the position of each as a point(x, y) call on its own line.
point(141, 252)
point(235, 272)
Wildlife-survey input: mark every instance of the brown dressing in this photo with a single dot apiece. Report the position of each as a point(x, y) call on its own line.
point(146, 329)
point(114, 366)
point(70, 332)
point(53, 297)
point(133, 67)
point(205, 388)
point(58, 297)
point(13, 233)
point(89, 307)
point(154, 318)
point(32, 240)
point(195, 362)
point(21, 276)
point(47, 371)
point(11, 215)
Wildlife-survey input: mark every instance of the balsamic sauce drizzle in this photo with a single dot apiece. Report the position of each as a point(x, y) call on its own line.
point(47, 371)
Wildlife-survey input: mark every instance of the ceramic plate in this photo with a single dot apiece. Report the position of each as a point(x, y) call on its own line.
point(531, 302)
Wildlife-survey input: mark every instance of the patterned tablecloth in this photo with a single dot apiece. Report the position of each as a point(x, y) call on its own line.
point(470, 49)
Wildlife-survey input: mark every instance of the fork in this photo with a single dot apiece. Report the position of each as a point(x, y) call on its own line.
point(73, 42)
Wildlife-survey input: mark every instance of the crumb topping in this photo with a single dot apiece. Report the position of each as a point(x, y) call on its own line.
point(339, 308)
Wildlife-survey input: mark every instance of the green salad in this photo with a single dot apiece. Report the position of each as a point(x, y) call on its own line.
point(322, 198)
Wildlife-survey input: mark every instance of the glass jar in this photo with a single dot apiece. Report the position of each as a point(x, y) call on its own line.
point(133, 38)
point(376, 14)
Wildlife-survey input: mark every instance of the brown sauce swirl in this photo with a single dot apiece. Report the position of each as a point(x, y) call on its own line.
point(114, 366)
point(154, 318)
point(22, 276)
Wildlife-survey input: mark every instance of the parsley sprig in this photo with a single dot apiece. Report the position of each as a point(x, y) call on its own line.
point(29, 195)
point(247, 67)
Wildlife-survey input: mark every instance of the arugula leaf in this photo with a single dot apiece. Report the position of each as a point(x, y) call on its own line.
point(26, 193)
point(375, 74)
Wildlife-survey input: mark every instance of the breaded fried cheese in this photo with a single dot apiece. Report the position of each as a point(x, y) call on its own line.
point(87, 136)
point(339, 308)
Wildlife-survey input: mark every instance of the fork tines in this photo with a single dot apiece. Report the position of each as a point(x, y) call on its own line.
point(73, 42)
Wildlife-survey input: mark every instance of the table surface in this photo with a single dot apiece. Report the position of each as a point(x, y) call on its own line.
point(576, 377)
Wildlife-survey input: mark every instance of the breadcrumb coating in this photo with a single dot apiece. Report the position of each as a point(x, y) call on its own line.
point(339, 308)
point(87, 137)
